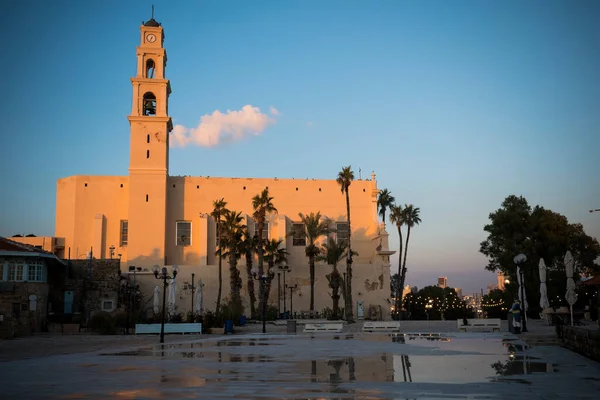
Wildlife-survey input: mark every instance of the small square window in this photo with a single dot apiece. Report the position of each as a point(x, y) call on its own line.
point(108, 305)
point(342, 233)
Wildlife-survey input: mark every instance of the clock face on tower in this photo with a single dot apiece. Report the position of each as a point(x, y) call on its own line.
point(151, 38)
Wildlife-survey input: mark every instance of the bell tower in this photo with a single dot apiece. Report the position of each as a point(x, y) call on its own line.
point(150, 125)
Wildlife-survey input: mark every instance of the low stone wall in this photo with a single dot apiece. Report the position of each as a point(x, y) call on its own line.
point(583, 341)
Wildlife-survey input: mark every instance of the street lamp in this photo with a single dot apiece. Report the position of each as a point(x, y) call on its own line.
point(111, 249)
point(292, 288)
point(284, 269)
point(130, 292)
point(264, 280)
point(428, 307)
point(520, 260)
point(163, 275)
point(596, 210)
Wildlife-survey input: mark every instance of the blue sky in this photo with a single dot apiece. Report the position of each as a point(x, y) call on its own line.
point(454, 105)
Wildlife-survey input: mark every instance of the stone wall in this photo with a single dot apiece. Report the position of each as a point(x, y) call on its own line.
point(18, 315)
point(103, 285)
point(583, 341)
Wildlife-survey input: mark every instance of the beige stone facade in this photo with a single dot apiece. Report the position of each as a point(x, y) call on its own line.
point(150, 218)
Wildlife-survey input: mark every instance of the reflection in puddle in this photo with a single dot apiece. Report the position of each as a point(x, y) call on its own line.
point(439, 358)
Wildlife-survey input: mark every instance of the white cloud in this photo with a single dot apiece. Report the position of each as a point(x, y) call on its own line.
point(222, 128)
point(274, 111)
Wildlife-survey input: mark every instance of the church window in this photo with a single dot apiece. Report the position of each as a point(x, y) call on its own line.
point(147, 153)
point(123, 233)
point(342, 233)
point(148, 138)
point(150, 67)
point(146, 198)
point(184, 233)
point(149, 104)
point(265, 232)
point(299, 234)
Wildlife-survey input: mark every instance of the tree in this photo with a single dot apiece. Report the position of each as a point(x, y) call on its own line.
point(274, 256)
point(313, 228)
point(385, 201)
point(344, 179)
point(412, 218)
point(538, 233)
point(332, 253)
point(231, 238)
point(397, 218)
point(217, 212)
point(248, 248)
point(396, 292)
point(263, 205)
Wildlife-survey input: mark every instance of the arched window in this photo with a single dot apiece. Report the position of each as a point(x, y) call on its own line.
point(149, 104)
point(150, 67)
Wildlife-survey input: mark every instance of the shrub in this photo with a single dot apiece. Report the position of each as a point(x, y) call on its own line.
point(103, 323)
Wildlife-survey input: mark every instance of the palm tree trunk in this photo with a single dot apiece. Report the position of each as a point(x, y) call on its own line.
point(349, 303)
point(250, 284)
point(268, 284)
point(218, 311)
point(261, 289)
point(335, 292)
point(400, 289)
point(403, 275)
point(311, 266)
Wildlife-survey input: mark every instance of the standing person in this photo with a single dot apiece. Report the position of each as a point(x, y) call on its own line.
point(516, 312)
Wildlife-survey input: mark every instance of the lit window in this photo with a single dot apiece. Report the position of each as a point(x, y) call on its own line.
point(184, 233)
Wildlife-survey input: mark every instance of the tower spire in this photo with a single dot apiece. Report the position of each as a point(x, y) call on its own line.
point(152, 11)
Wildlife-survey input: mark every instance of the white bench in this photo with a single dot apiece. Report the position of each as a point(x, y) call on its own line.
point(141, 329)
point(492, 324)
point(381, 326)
point(324, 327)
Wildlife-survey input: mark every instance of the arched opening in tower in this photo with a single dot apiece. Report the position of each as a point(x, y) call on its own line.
point(150, 67)
point(149, 104)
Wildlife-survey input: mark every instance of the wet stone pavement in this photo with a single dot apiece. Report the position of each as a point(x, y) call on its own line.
point(319, 366)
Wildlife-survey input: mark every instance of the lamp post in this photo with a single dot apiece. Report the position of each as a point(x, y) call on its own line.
point(520, 260)
point(264, 279)
point(193, 289)
point(111, 250)
point(284, 269)
point(292, 288)
point(163, 275)
point(596, 210)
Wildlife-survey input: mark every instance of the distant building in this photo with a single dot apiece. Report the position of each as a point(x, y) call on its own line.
point(458, 292)
point(501, 280)
point(443, 282)
point(491, 287)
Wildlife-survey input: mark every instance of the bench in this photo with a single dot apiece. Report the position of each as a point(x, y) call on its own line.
point(141, 329)
point(336, 327)
point(492, 324)
point(381, 326)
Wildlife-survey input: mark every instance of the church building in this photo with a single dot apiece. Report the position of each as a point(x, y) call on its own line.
point(149, 218)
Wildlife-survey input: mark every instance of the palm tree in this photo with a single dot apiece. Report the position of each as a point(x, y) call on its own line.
point(274, 256)
point(262, 204)
point(332, 253)
point(314, 227)
point(249, 247)
point(232, 231)
point(411, 219)
point(344, 179)
point(397, 218)
point(385, 200)
point(217, 212)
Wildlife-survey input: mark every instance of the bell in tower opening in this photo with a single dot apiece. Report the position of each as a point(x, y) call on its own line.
point(149, 104)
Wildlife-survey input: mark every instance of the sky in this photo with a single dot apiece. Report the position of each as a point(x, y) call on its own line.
point(453, 105)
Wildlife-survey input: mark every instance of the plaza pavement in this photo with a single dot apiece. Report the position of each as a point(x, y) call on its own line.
point(294, 366)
